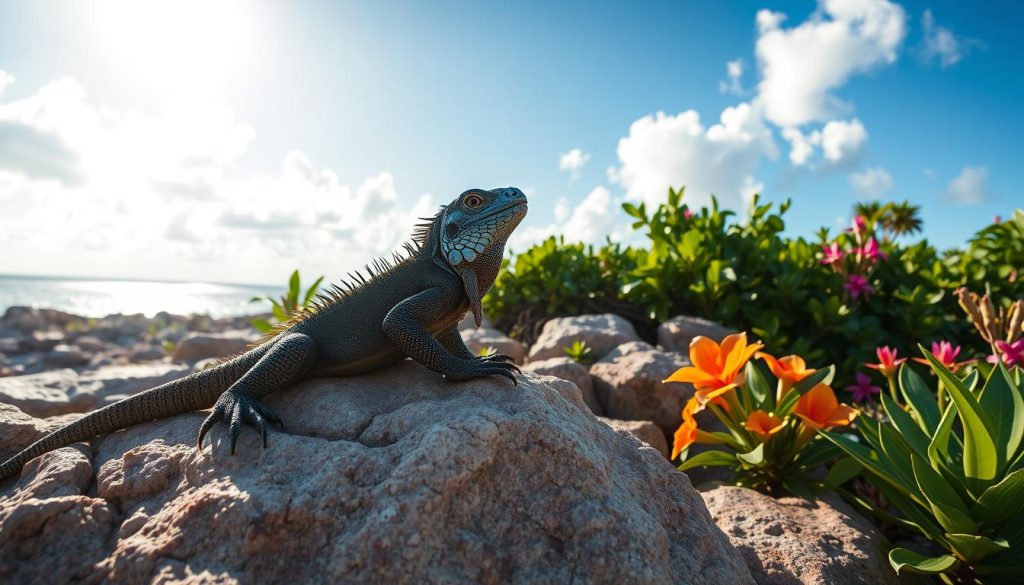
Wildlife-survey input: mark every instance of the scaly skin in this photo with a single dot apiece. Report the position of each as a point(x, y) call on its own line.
point(409, 309)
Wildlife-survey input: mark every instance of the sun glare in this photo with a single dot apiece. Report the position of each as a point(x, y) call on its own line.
point(182, 48)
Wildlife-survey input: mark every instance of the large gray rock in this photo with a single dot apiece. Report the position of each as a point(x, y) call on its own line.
point(629, 384)
point(602, 333)
point(792, 540)
point(392, 477)
point(568, 369)
point(644, 430)
point(62, 391)
point(480, 339)
point(677, 333)
point(199, 346)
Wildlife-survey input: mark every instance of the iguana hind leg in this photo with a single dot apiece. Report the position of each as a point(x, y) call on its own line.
point(288, 359)
point(452, 340)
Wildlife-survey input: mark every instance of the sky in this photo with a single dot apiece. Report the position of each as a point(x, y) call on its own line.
point(230, 141)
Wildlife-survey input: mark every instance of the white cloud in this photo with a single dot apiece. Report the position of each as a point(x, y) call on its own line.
point(801, 146)
point(734, 70)
point(573, 161)
point(969, 188)
point(803, 65)
point(595, 218)
point(871, 183)
point(6, 80)
point(662, 151)
point(940, 43)
point(841, 143)
point(97, 191)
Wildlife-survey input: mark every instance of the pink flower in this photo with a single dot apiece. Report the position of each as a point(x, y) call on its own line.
point(888, 363)
point(946, 353)
point(832, 253)
point(997, 219)
point(863, 389)
point(857, 285)
point(687, 214)
point(1013, 353)
point(860, 225)
point(871, 251)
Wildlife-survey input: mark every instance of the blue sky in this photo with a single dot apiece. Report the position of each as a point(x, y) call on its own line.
point(234, 141)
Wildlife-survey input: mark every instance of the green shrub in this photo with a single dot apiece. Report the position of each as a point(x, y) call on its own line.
point(289, 304)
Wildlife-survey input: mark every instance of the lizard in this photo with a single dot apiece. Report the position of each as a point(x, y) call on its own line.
point(408, 306)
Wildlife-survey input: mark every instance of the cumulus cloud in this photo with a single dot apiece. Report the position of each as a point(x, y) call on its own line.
point(969, 187)
point(941, 44)
point(734, 71)
point(841, 143)
point(6, 80)
point(871, 183)
point(94, 190)
point(662, 151)
point(595, 218)
point(802, 66)
point(573, 161)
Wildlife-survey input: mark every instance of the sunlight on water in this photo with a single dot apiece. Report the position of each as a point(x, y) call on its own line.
point(97, 298)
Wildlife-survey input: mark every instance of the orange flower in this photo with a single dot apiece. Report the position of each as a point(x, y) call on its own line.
point(716, 368)
point(763, 424)
point(790, 370)
point(819, 409)
point(686, 434)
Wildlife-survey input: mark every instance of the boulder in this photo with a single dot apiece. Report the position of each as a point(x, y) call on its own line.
point(628, 382)
point(198, 346)
point(146, 353)
point(24, 319)
point(568, 369)
point(602, 333)
point(469, 322)
point(90, 343)
point(65, 356)
point(644, 430)
point(792, 540)
point(676, 333)
point(41, 340)
point(62, 391)
point(392, 477)
point(479, 339)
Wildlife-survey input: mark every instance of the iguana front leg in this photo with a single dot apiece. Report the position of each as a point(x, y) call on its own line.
point(452, 340)
point(288, 359)
point(405, 325)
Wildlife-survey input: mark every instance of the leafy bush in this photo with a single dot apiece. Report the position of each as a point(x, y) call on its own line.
point(953, 475)
point(771, 444)
point(289, 303)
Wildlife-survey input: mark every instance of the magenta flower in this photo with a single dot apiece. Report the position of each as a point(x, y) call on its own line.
point(687, 214)
point(871, 251)
point(1013, 353)
point(860, 225)
point(946, 353)
point(888, 362)
point(863, 389)
point(832, 253)
point(858, 285)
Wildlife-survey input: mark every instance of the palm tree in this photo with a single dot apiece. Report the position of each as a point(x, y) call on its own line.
point(871, 211)
point(901, 219)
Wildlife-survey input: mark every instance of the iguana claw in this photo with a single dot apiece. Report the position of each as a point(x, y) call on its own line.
point(234, 408)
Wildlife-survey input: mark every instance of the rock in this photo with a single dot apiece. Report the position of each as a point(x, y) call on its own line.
point(676, 333)
point(146, 353)
point(63, 391)
point(197, 346)
point(42, 340)
point(644, 430)
point(567, 369)
point(90, 343)
point(602, 333)
point(480, 339)
point(24, 319)
point(392, 477)
point(792, 540)
point(628, 382)
point(469, 322)
point(65, 356)
point(27, 363)
point(10, 340)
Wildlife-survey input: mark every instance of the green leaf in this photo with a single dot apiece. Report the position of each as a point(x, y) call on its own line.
point(262, 325)
point(908, 429)
point(823, 376)
point(948, 508)
point(918, 515)
point(908, 561)
point(920, 397)
point(279, 313)
point(897, 457)
point(758, 386)
point(842, 471)
point(713, 458)
point(973, 547)
point(311, 291)
point(980, 454)
point(863, 456)
point(1003, 405)
point(754, 456)
point(1002, 501)
point(939, 446)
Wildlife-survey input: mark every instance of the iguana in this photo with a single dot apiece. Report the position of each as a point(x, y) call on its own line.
point(407, 307)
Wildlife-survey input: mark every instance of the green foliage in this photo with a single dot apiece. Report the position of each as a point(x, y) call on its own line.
point(579, 352)
point(957, 479)
point(289, 304)
point(993, 259)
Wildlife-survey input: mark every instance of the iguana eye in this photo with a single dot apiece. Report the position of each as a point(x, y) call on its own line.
point(473, 201)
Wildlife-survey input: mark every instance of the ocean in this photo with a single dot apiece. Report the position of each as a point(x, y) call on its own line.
point(98, 298)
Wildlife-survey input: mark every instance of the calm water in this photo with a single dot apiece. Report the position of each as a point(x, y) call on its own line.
point(97, 298)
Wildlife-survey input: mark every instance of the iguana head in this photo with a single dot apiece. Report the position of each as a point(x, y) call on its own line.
point(474, 229)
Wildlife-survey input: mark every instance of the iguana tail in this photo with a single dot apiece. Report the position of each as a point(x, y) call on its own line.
point(196, 391)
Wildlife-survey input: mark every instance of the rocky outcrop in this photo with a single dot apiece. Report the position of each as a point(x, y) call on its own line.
point(480, 339)
point(792, 540)
point(62, 391)
point(198, 346)
point(677, 333)
point(602, 333)
point(392, 477)
point(567, 369)
point(644, 430)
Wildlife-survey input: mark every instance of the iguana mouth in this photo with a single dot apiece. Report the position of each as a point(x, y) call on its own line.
point(501, 211)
